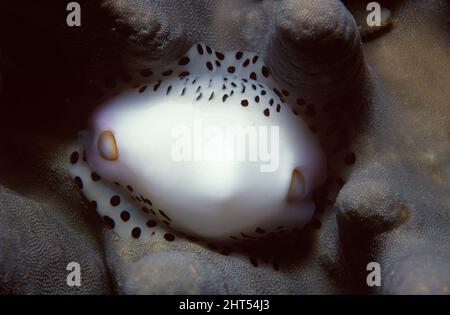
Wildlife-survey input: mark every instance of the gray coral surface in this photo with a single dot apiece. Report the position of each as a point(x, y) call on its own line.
point(387, 197)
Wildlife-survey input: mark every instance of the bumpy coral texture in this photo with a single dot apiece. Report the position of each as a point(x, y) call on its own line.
point(393, 197)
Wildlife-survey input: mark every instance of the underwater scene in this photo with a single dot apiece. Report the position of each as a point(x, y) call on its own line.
point(228, 147)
